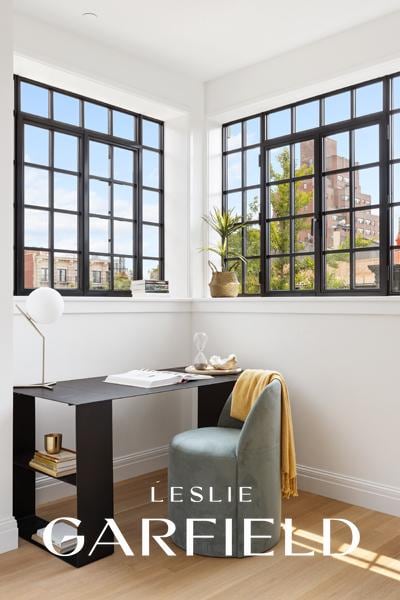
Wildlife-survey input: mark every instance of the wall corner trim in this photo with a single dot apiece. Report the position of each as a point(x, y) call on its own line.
point(8, 534)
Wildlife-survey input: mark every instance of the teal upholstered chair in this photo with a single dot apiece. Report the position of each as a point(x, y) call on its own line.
point(231, 454)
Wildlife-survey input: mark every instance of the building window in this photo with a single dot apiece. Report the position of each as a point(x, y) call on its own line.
point(310, 182)
point(89, 193)
point(44, 277)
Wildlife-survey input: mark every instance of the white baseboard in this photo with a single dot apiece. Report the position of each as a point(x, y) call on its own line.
point(361, 492)
point(125, 467)
point(8, 534)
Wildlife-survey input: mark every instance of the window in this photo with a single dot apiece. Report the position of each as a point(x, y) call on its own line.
point(312, 190)
point(89, 194)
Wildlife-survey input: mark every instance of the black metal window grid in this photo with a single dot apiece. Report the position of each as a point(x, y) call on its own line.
point(324, 185)
point(89, 203)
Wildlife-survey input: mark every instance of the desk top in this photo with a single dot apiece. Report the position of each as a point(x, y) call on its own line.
point(93, 389)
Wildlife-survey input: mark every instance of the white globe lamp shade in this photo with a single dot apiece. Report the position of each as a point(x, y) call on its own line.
point(45, 305)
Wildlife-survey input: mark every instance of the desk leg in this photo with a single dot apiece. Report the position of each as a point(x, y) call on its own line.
point(211, 400)
point(94, 477)
point(24, 480)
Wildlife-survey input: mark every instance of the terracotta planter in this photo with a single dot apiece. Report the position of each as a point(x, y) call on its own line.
point(224, 284)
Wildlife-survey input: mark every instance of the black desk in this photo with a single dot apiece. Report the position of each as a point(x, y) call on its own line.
point(92, 399)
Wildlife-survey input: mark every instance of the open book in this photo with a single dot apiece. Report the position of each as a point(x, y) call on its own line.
point(152, 379)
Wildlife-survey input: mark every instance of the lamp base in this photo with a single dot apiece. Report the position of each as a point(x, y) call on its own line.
point(46, 386)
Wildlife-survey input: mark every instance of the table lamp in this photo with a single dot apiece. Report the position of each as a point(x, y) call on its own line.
point(43, 306)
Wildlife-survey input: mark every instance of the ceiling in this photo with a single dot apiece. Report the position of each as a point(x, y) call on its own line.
point(205, 38)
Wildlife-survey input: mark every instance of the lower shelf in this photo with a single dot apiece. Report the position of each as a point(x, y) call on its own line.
point(30, 525)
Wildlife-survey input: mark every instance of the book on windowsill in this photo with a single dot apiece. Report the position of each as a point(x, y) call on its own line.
point(59, 532)
point(144, 287)
point(56, 465)
point(152, 379)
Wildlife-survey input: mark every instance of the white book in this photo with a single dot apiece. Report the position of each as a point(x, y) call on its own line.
point(59, 532)
point(152, 379)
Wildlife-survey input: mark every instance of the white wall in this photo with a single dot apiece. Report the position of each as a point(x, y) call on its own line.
point(340, 360)
point(339, 357)
point(8, 529)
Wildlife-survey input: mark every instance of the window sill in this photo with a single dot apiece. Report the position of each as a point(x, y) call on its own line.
point(111, 305)
point(361, 306)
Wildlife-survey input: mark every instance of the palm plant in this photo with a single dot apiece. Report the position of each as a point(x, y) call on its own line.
point(225, 224)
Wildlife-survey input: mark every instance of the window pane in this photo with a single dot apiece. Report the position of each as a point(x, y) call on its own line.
point(123, 272)
point(123, 125)
point(395, 181)
point(233, 135)
point(65, 152)
point(366, 269)
point(123, 201)
point(337, 191)
point(336, 151)
point(36, 145)
point(396, 136)
point(151, 244)
point(123, 165)
point(278, 123)
point(99, 235)
point(337, 231)
point(151, 206)
point(252, 131)
point(99, 159)
point(366, 228)
point(65, 191)
point(66, 108)
point(65, 271)
point(279, 276)
point(304, 234)
point(151, 133)
point(252, 268)
point(251, 158)
point(279, 199)
point(252, 201)
point(304, 158)
point(234, 170)
point(234, 203)
point(395, 226)
point(99, 272)
point(253, 240)
point(279, 237)
point(36, 228)
point(99, 197)
point(96, 117)
point(151, 269)
point(65, 231)
point(307, 115)
point(235, 244)
point(34, 99)
point(366, 145)
point(366, 187)
point(36, 269)
point(396, 92)
point(337, 108)
point(123, 237)
point(304, 278)
point(279, 163)
point(304, 196)
point(36, 186)
point(369, 99)
point(395, 270)
point(337, 271)
point(151, 169)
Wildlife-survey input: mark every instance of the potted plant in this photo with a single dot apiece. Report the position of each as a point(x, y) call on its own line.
point(224, 283)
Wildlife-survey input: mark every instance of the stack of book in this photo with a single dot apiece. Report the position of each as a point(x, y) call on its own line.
point(149, 287)
point(56, 465)
point(59, 532)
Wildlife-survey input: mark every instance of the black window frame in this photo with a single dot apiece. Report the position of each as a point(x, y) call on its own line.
point(387, 247)
point(85, 136)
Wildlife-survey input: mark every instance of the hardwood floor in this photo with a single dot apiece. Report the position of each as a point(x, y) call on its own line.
point(372, 572)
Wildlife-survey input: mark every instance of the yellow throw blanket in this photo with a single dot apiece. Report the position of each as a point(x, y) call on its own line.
point(245, 393)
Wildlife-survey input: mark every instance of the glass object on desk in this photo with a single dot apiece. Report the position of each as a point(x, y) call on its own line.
point(200, 340)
